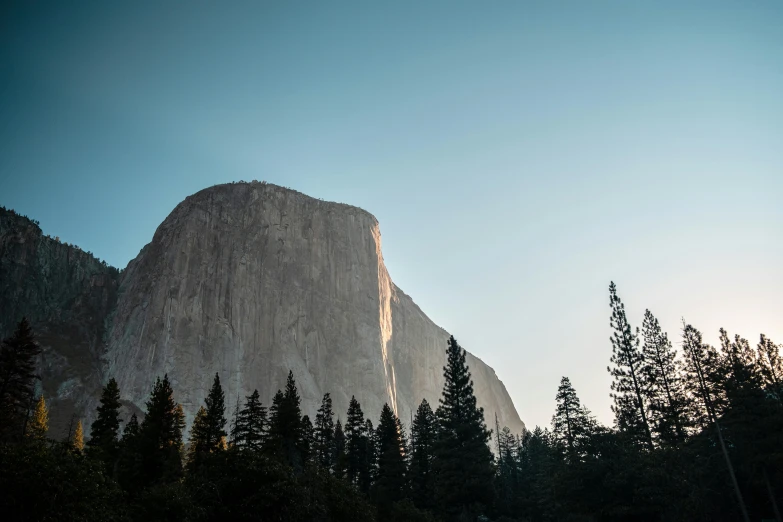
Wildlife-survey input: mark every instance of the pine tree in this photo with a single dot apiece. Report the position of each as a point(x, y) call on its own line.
point(306, 441)
point(129, 470)
point(340, 459)
point(369, 458)
point(38, 424)
point(215, 419)
point(324, 434)
point(507, 479)
point(132, 430)
point(423, 437)
point(664, 387)
point(572, 423)
point(390, 481)
point(285, 425)
point(703, 364)
point(105, 429)
point(198, 445)
point(463, 463)
point(355, 441)
point(740, 374)
point(77, 443)
point(629, 385)
point(207, 435)
point(251, 424)
point(160, 437)
point(18, 356)
point(232, 443)
point(536, 472)
point(771, 367)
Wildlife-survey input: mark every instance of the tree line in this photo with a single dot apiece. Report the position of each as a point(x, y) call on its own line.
point(697, 435)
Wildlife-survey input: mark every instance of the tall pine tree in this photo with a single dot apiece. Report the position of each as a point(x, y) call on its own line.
point(357, 447)
point(572, 424)
point(324, 434)
point(390, 481)
point(463, 462)
point(104, 431)
point(129, 466)
point(251, 424)
point(18, 357)
point(424, 433)
point(664, 391)
point(160, 437)
point(370, 458)
point(197, 442)
point(704, 367)
point(340, 459)
point(285, 425)
point(628, 387)
point(215, 419)
point(306, 441)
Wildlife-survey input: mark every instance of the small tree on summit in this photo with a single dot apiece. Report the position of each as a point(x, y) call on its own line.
point(463, 463)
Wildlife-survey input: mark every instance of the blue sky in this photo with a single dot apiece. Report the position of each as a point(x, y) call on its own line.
point(518, 155)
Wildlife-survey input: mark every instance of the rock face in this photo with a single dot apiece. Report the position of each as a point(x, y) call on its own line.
point(66, 294)
point(250, 280)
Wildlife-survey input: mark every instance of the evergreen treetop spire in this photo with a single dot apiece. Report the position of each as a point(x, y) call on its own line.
point(105, 429)
point(215, 418)
point(463, 461)
point(628, 387)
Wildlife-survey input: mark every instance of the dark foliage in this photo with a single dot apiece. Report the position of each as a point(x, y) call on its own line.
point(713, 451)
point(18, 356)
point(251, 423)
point(105, 430)
point(463, 462)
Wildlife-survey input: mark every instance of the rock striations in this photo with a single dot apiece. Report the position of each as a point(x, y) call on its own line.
point(251, 280)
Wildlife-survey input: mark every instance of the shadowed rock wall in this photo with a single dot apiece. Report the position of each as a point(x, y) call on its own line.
point(66, 294)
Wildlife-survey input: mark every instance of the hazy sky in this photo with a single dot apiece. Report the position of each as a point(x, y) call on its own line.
point(518, 155)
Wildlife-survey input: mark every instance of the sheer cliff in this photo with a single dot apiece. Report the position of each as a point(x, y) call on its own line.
point(250, 280)
point(247, 280)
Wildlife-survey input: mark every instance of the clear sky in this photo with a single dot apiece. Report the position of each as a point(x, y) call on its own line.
point(518, 155)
